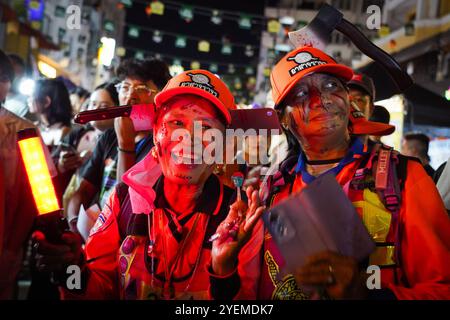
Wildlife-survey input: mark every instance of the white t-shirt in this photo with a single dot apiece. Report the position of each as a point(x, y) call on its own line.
point(443, 185)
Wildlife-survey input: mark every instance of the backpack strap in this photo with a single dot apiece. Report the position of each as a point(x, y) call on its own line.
point(285, 175)
point(125, 213)
point(383, 165)
point(359, 180)
point(388, 170)
point(386, 180)
point(388, 190)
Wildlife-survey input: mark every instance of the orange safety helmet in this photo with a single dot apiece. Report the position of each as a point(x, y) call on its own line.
point(201, 83)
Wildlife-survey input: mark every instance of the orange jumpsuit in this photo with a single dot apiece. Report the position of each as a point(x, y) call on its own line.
point(133, 268)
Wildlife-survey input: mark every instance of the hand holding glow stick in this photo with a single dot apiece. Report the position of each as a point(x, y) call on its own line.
point(50, 219)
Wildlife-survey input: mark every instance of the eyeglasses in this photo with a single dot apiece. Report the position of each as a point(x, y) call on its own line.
point(141, 89)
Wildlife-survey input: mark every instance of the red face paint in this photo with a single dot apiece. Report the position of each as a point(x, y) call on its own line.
point(317, 105)
point(181, 148)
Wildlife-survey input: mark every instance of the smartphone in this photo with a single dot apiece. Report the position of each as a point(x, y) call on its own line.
point(263, 118)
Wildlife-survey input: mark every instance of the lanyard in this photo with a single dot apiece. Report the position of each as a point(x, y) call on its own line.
point(169, 270)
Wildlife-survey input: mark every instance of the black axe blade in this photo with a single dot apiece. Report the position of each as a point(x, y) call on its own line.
point(318, 32)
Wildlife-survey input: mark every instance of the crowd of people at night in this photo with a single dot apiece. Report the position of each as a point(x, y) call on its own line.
point(143, 224)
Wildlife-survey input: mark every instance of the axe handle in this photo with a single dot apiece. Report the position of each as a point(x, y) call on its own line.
point(400, 77)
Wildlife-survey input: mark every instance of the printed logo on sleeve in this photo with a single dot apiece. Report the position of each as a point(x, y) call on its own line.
point(99, 223)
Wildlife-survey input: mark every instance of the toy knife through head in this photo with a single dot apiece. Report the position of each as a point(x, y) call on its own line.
point(318, 33)
point(143, 116)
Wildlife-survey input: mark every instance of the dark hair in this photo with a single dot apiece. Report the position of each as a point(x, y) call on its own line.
point(16, 59)
point(6, 66)
point(380, 114)
point(144, 70)
point(423, 142)
point(364, 84)
point(294, 147)
point(60, 109)
point(81, 92)
point(110, 87)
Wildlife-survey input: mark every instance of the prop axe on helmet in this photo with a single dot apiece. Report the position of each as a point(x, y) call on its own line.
point(317, 34)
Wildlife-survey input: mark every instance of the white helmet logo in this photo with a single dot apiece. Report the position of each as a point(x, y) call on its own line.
point(200, 78)
point(302, 57)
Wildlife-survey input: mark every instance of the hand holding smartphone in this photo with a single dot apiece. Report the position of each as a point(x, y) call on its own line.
point(69, 158)
point(319, 218)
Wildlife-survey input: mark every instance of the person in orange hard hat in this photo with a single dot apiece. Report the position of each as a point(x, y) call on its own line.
point(154, 238)
point(399, 206)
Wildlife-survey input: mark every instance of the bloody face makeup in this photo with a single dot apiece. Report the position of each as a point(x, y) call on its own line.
point(317, 107)
point(181, 147)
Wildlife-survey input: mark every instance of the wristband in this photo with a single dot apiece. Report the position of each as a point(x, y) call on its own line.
point(126, 151)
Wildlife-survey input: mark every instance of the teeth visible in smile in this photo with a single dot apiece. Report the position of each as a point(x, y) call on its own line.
point(183, 177)
point(186, 159)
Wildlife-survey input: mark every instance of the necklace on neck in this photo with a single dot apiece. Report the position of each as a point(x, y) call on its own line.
point(328, 161)
point(321, 168)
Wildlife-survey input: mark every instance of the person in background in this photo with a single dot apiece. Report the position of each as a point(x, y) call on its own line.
point(77, 146)
point(438, 172)
point(362, 96)
point(416, 145)
point(362, 93)
point(139, 81)
point(442, 180)
point(17, 209)
point(251, 153)
point(379, 114)
point(84, 138)
point(50, 102)
point(16, 102)
point(78, 96)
